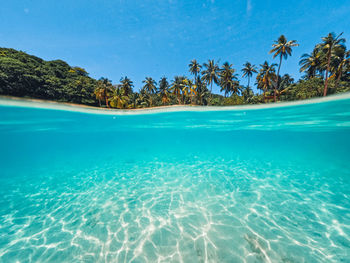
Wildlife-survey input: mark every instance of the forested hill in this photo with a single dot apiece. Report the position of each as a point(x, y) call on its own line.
point(24, 75)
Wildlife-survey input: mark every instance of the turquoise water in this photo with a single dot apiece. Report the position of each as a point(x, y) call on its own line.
point(244, 185)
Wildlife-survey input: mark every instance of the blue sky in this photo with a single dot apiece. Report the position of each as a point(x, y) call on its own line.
point(142, 38)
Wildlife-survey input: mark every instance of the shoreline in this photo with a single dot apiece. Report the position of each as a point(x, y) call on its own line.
point(12, 101)
point(69, 104)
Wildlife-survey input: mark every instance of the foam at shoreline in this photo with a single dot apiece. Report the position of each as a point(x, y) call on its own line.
point(51, 105)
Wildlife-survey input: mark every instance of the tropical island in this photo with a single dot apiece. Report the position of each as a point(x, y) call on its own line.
point(326, 71)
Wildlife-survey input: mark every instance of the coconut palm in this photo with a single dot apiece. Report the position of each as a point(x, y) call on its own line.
point(202, 92)
point(188, 89)
point(177, 86)
point(311, 64)
point(134, 100)
point(104, 90)
point(266, 78)
point(150, 87)
point(329, 44)
point(228, 80)
point(119, 99)
point(164, 90)
point(194, 68)
point(126, 86)
point(344, 65)
point(211, 73)
point(286, 80)
point(285, 84)
point(99, 94)
point(248, 94)
point(145, 98)
point(248, 71)
point(185, 90)
point(283, 49)
point(192, 90)
point(339, 64)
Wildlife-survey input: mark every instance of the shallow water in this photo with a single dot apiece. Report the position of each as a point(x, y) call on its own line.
point(248, 185)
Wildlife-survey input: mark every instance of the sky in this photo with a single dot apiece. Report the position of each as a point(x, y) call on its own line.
point(144, 38)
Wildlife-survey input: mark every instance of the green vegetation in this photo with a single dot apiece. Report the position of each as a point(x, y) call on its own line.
point(23, 75)
point(326, 71)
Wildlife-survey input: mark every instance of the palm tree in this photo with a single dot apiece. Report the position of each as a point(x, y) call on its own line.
point(211, 73)
point(266, 77)
point(104, 90)
point(126, 86)
point(328, 46)
point(192, 89)
point(119, 99)
point(150, 87)
point(202, 92)
point(228, 80)
point(145, 97)
point(248, 94)
point(188, 89)
point(99, 94)
point(135, 98)
point(195, 68)
point(286, 80)
point(311, 63)
point(248, 71)
point(285, 84)
point(177, 86)
point(164, 90)
point(340, 62)
point(185, 90)
point(283, 49)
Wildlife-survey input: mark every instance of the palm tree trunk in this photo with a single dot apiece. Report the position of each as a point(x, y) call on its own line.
point(99, 101)
point(337, 81)
point(195, 83)
point(106, 98)
point(327, 70)
point(278, 79)
point(248, 81)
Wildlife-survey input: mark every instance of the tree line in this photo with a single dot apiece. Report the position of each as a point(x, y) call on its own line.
point(326, 71)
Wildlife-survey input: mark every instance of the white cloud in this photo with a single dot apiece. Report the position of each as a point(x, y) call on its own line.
point(249, 7)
